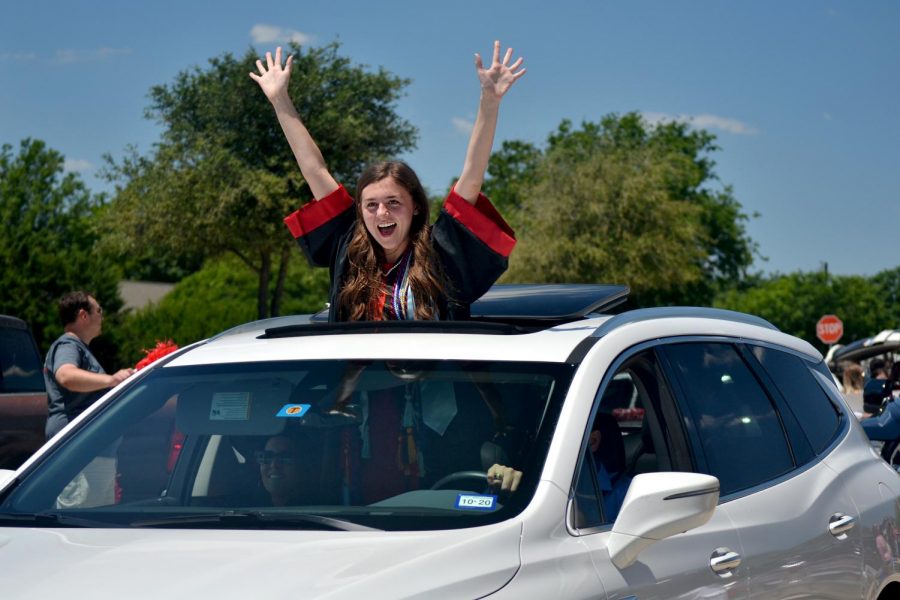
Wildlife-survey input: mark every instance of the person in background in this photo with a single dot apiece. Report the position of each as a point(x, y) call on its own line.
point(75, 380)
point(73, 376)
point(852, 378)
point(878, 368)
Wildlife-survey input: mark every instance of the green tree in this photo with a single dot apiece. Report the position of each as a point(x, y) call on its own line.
point(222, 177)
point(47, 246)
point(795, 302)
point(888, 283)
point(215, 298)
point(620, 201)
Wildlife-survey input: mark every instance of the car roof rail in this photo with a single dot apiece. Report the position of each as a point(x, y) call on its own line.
point(671, 312)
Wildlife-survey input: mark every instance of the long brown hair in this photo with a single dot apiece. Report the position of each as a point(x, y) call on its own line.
point(358, 297)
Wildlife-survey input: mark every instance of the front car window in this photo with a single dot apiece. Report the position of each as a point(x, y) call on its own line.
point(386, 444)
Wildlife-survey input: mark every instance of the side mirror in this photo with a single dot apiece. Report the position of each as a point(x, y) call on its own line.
point(657, 506)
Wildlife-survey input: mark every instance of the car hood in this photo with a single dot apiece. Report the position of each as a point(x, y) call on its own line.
point(123, 563)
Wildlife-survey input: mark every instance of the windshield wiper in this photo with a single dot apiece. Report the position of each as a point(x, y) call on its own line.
point(251, 518)
point(50, 519)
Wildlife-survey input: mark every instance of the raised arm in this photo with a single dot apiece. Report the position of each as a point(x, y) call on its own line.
point(495, 82)
point(273, 78)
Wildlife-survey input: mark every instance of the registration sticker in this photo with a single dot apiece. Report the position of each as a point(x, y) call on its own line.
point(476, 502)
point(230, 406)
point(293, 410)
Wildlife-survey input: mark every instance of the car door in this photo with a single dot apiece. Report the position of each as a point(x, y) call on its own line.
point(698, 564)
point(794, 518)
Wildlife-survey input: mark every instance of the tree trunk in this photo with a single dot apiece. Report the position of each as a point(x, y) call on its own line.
point(279, 283)
point(262, 298)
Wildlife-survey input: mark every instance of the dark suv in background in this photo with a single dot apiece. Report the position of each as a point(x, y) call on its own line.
point(23, 398)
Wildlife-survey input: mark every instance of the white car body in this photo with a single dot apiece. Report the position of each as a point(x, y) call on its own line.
point(768, 541)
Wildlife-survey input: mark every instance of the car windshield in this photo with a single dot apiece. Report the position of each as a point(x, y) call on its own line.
point(393, 445)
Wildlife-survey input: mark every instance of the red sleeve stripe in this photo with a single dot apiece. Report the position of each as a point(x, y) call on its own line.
point(483, 220)
point(318, 212)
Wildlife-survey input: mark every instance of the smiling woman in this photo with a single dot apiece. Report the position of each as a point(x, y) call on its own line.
point(386, 261)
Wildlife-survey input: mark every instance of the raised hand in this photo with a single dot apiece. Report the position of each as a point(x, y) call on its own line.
point(273, 78)
point(497, 79)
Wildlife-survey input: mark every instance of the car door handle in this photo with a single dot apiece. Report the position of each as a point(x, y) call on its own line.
point(840, 524)
point(723, 561)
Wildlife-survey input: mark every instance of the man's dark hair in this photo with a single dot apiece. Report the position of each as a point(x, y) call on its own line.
point(71, 303)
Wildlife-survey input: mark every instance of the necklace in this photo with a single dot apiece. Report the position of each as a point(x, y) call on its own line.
point(392, 268)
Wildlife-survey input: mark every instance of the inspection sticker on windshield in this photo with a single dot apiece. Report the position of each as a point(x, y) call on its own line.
point(476, 502)
point(293, 410)
point(230, 406)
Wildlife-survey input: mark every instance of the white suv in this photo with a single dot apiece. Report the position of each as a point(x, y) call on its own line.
point(663, 453)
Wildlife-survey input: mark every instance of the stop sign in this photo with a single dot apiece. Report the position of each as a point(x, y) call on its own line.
point(829, 329)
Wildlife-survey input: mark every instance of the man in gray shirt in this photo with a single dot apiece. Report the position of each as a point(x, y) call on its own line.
point(74, 381)
point(74, 378)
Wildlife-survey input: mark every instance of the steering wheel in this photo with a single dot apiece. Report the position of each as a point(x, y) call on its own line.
point(480, 476)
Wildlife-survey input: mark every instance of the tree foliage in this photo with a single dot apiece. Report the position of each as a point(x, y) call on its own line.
point(47, 247)
point(888, 283)
point(222, 177)
point(795, 302)
point(621, 201)
point(215, 298)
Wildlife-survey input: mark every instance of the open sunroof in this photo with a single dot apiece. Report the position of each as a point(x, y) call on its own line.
point(504, 309)
point(552, 302)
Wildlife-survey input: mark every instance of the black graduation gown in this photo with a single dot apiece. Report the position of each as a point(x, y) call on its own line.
point(473, 244)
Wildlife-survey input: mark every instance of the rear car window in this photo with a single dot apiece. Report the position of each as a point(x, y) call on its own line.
point(740, 433)
point(20, 364)
point(818, 416)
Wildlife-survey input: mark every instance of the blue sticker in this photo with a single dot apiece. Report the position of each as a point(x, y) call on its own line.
point(476, 502)
point(293, 410)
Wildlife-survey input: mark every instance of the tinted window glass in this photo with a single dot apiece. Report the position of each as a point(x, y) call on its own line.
point(587, 509)
point(392, 444)
point(20, 366)
point(817, 415)
point(739, 431)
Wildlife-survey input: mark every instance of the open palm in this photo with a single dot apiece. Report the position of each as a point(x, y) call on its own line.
point(273, 78)
point(501, 75)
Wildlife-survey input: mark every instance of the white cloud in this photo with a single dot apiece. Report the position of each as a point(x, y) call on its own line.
point(703, 121)
point(272, 34)
point(17, 56)
point(77, 165)
point(462, 125)
point(69, 56)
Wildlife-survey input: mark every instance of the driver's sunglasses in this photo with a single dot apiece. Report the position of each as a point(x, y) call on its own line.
point(267, 457)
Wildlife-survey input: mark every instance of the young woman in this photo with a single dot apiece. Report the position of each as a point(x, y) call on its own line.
point(386, 261)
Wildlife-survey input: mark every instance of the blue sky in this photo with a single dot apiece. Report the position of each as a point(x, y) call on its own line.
point(804, 97)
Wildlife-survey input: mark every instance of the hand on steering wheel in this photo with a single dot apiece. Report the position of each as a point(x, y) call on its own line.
point(504, 479)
